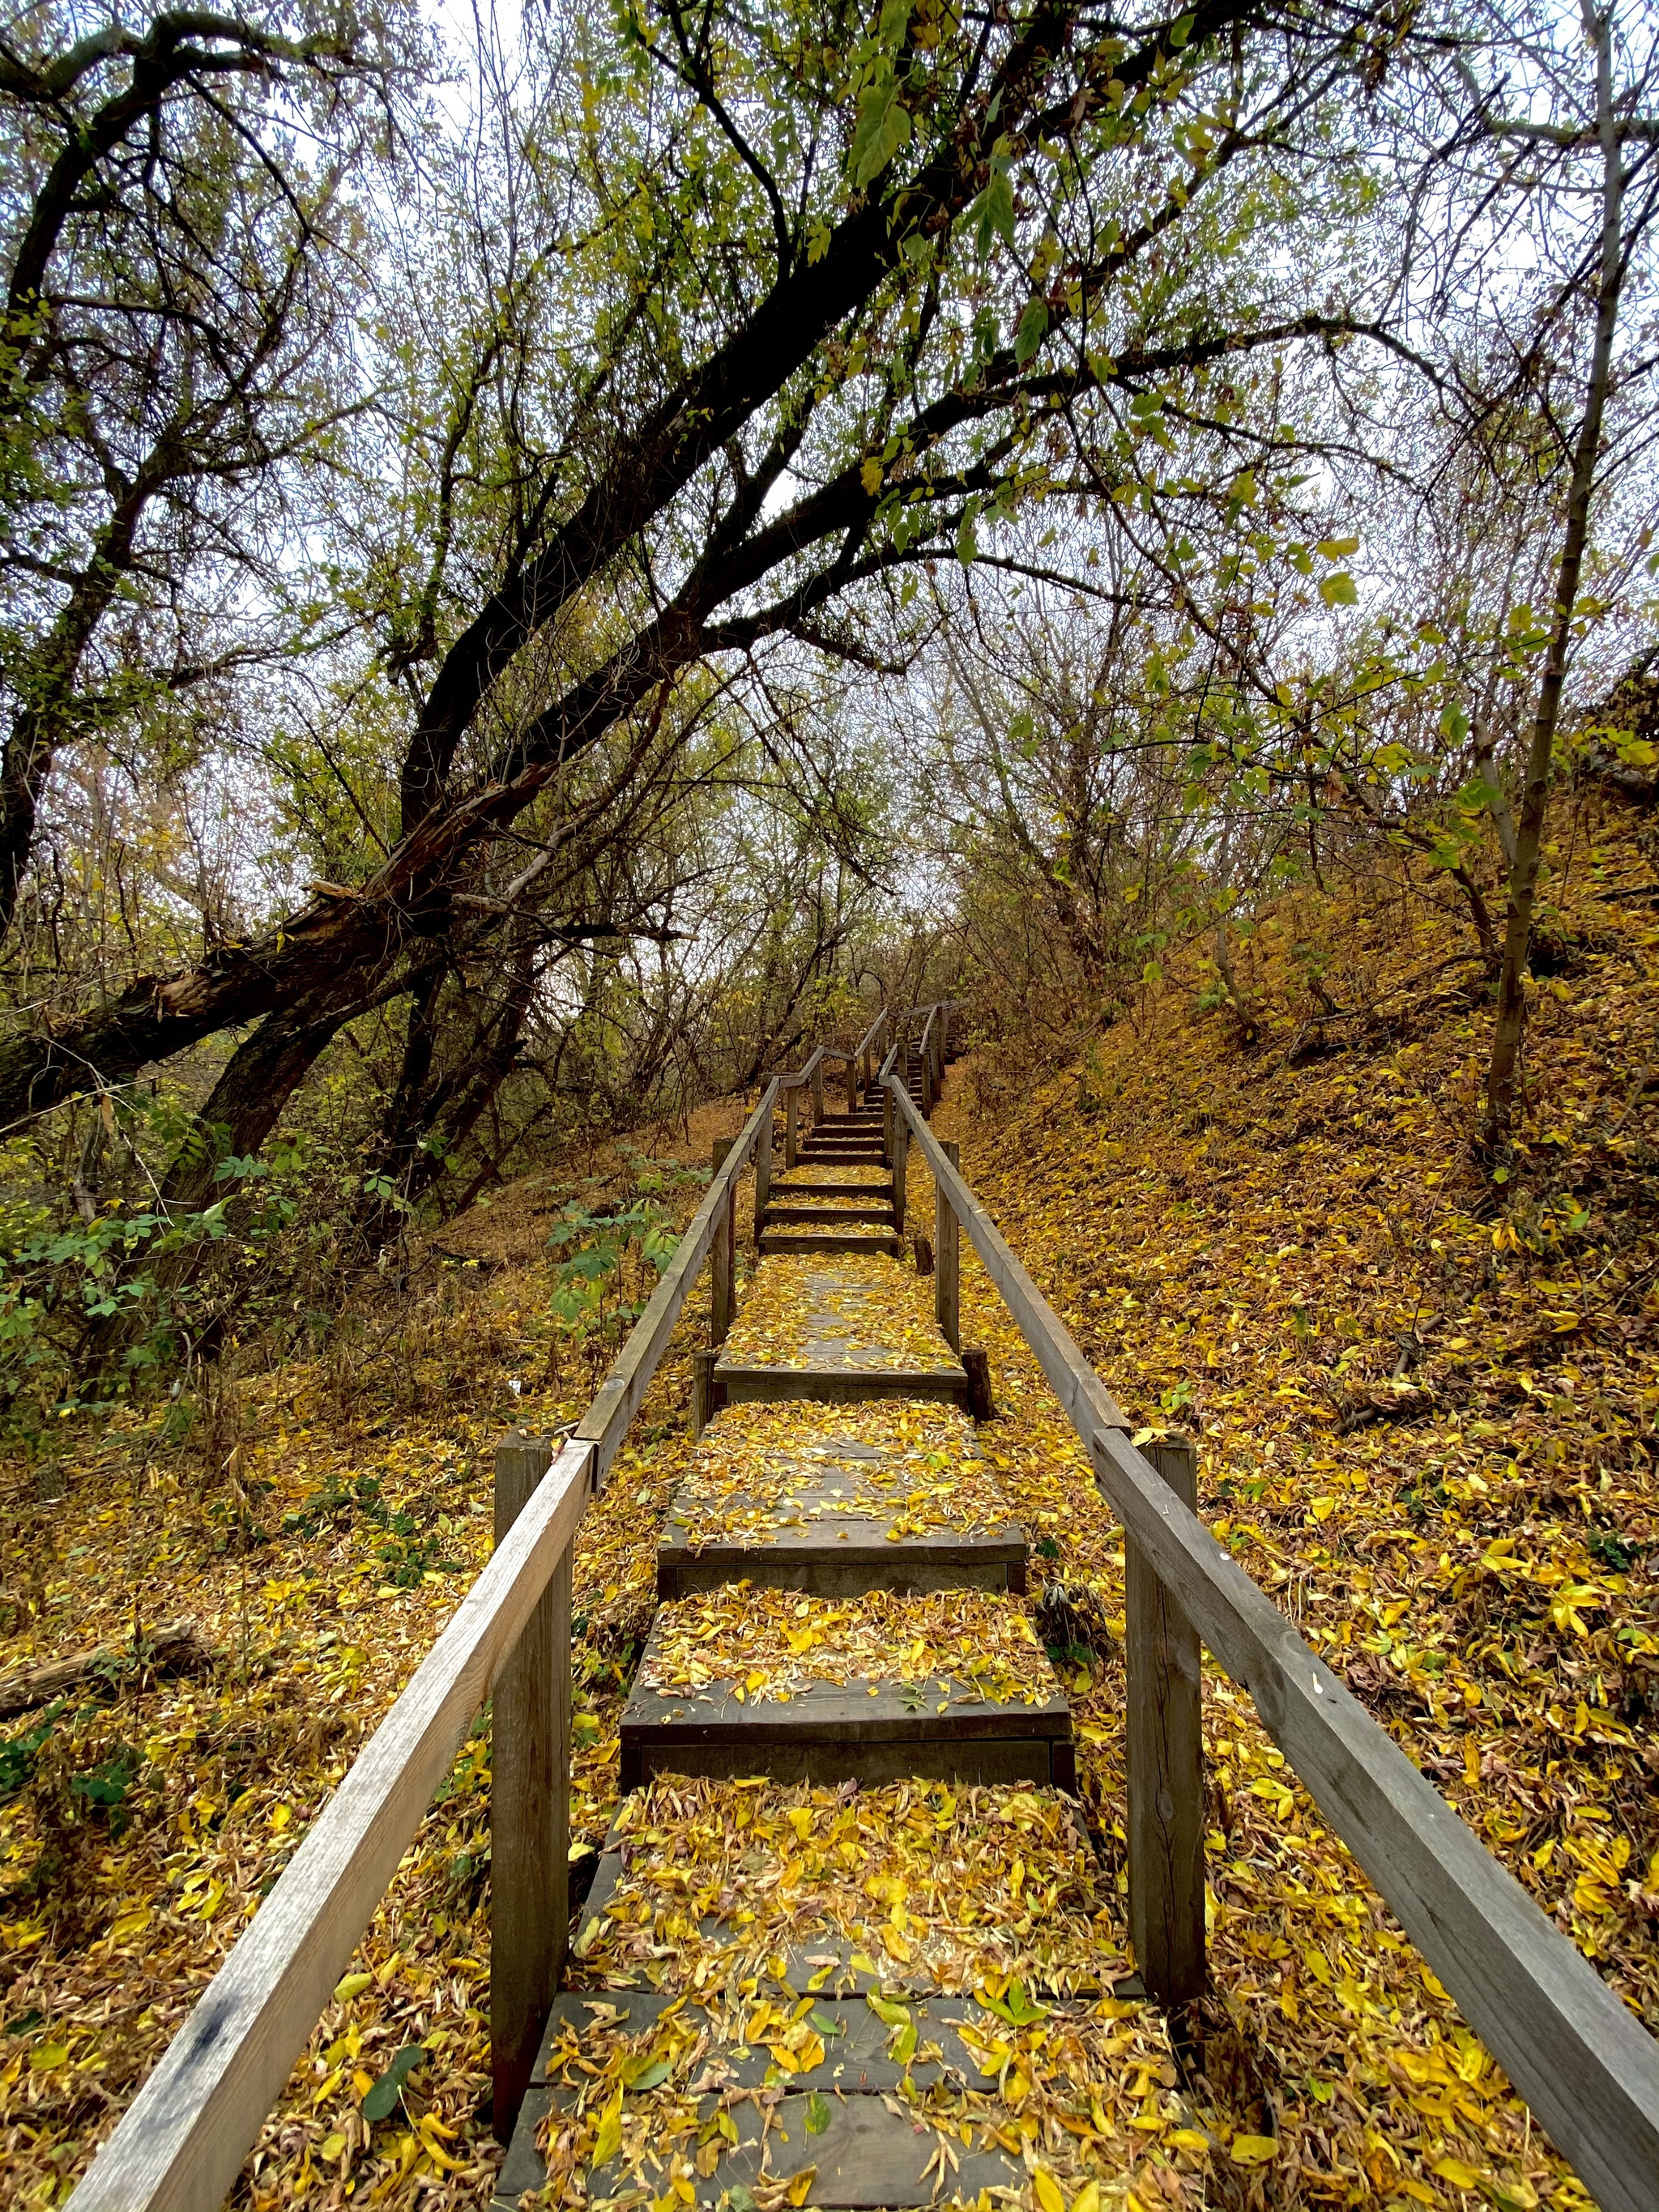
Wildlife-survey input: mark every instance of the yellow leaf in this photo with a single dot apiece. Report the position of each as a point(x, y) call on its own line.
point(435, 2151)
point(1047, 2191)
point(870, 476)
point(608, 2140)
point(47, 2055)
point(1087, 2198)
point(1190, 2141)
point(1454, 2170)
point(332, 2146)
point(349, 1986)
point(800, 2187)
point(1253, 2150)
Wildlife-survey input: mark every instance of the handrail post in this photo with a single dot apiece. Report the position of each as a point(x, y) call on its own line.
point(947, 1256)
point(529, 1806)
point(901, 1160)
point(1165, 1763)
point(763, 1171)
point(723, 1252)
point(817, 1092)
point(791, 1099)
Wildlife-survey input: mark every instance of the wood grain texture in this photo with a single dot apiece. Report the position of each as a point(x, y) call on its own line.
point(722, 1250)
point(181, 2144)
point(1088, 1403)
point(169, 1647)
point(529, 1805)
point(763, 1173)
point(1165, 1763)
point(1572, 2049)
point(982, 1397)
point(947, 1286)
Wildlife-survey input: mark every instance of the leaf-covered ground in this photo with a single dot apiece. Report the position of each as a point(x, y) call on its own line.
point(1426, 1402)
point(318, 1527)
point(1424, 1390)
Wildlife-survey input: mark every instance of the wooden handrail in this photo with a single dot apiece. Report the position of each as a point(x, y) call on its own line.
point(181, 2144)
point(1574, 2051)
point(867, 1042)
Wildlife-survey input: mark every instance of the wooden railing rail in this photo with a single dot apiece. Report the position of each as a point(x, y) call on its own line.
point(1573, 2050)
point(181, 2144)
point(870, 1044)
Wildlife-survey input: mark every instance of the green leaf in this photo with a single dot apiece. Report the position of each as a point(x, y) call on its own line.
point(817, 2112)
point(381, 2101)
point(1336, 549)
point(903, 2045)
point(649, 2077)
point(1454, 723)
point(1032, 325)
point(1338, 591)
point(894, 22)
point(826, 2026)
point(993, 213)
point(889, 2014)
point(884, 126)
point(967, 539)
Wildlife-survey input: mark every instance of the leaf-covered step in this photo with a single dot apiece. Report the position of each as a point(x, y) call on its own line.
point(742, 1680)
point(891, 1494)
point(837, 1327)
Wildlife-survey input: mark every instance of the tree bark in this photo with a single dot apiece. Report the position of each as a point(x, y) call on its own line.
point(1510, 1023)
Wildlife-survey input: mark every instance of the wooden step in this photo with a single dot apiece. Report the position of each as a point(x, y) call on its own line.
point(842, 1343)
point(800, 1182)
point(855, 1206)
point(867, 2153)
point(866, 1731)
point(894, 1496)
point(857, 1236)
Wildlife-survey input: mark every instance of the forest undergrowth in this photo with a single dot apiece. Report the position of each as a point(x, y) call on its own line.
point(1425, 1398)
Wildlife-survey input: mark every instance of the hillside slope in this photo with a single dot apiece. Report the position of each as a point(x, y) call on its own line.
point(1424, 1391)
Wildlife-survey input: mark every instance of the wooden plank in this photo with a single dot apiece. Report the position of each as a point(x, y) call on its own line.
point(610, 1416)
point(722, 1250)
point(947, 1283)
point(976, 1366)
point(828, 1734)
point(864, 2155)
point(901, 1160)
point(763, 1173)
point(1165, 1763)
point(529, 1805)
point(181, 2144)
point(703, 1392)
point(1572, 2049)
point(838, 1385)
point(1088, 1403)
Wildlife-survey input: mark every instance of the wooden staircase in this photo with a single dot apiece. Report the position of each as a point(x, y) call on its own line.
point(836, 1401)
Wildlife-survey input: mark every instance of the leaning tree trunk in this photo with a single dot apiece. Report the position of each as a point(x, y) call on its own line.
point(440, 1094)
point(1510, 1024)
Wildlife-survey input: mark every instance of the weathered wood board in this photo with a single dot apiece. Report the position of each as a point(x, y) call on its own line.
point(866, 1732)
point(830, 1520)
point(869, 2154)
